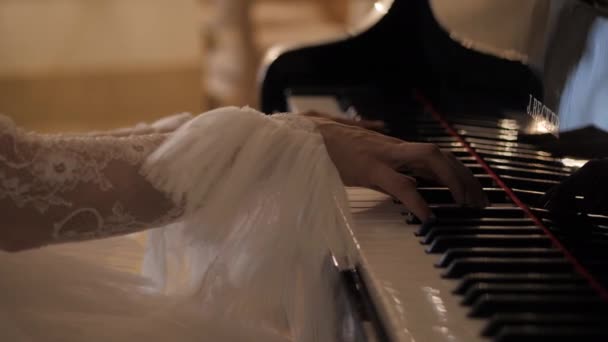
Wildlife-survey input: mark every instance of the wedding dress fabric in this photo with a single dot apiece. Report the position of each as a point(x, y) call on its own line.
point(248, 211)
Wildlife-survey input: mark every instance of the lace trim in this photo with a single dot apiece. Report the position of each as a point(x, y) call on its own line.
point(49, 166)
point(70, 181)
point(297, 122)
point(119, 222)
point(80, 185)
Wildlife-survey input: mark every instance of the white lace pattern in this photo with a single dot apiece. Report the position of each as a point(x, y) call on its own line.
point(263, 219)
point(77, 187)
point(68, 187)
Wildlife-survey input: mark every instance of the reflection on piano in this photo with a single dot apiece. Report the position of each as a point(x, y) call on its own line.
point(507, 272)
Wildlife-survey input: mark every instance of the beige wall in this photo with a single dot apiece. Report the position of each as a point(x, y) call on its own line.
point(89, 64)
point(46, 36)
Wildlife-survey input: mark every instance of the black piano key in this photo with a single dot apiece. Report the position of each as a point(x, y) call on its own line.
point(500, 143)
point(476, 252)
point(490, 304)
point(447, 212)
point(517, 278)
point(435, 232)
point(531, 333)
point(527, 163)
point(487, 135)
point(580, 322)
point(528, 173)
point(461, 153)
point(460, 267)
point(488, 221)
point(524, 160)
point(442, 243)
point(507, 170)
point(526, 289)
point(496, 131)
point(443, 195)
point(498, 148)
point(456, 213)
point(507, 158)
point(528, 196)
point(534, 184)
point(484, 179)
point(472, 121)
point(468, 159)
point(474, 221)
point(599, 221)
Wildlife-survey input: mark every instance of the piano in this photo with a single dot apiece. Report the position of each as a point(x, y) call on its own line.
point(507, 272)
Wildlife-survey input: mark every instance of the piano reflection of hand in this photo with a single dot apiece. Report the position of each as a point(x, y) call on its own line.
point(591, 183)
point(374, 125)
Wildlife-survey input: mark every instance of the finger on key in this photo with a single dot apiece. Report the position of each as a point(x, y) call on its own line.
point(404, 189)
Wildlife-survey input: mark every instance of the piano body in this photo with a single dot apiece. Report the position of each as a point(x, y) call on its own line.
point(507, 272)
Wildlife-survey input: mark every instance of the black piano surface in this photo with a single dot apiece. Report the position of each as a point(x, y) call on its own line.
point(527, 275)
point(405, 49)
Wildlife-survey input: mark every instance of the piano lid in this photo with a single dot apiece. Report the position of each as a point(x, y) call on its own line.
point(547, 57)
point(507, 29)
point(564, 42)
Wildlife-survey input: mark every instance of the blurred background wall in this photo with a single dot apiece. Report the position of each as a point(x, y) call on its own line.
point(75, 65)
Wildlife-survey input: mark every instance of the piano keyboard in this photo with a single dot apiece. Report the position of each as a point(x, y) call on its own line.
point(502, 273)
point(414, 303)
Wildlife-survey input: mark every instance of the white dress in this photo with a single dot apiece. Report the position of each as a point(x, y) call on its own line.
point(248, 207)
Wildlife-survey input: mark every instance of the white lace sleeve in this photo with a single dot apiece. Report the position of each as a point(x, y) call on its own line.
point(59, 188)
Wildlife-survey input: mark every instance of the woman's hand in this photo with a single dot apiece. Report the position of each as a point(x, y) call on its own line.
point(370, 159)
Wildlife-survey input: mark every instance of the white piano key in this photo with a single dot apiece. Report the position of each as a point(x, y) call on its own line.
point(413, 301)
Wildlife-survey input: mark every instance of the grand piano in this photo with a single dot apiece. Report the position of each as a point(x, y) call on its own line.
point(507, 272)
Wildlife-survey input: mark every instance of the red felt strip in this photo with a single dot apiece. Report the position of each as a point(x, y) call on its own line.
point(576, 264)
